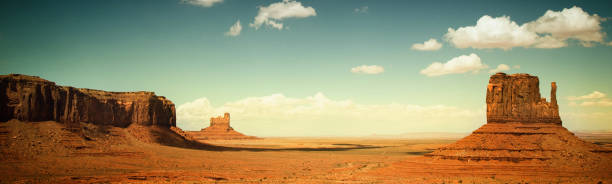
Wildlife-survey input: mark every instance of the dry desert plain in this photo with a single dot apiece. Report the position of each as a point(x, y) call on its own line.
point(62, 134)
point(44, 152)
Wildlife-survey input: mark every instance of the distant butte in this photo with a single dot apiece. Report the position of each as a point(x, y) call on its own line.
point(219, 129)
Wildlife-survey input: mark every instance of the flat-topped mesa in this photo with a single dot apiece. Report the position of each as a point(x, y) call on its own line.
point(31, 98)
point(516, 98)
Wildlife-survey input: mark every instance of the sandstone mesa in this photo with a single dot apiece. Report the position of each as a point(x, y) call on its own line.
point(31, 98)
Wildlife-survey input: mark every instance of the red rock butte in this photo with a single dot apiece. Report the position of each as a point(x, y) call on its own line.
point(520, 125)
point(523, 136)
point(219, 129)
point(33, 99)
point(516, 98)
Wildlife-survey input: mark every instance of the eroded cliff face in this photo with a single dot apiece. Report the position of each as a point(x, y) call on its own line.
point(516, 98)
point(30, 98)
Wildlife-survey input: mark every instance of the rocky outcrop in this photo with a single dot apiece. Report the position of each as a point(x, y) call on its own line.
point(220, 122)
point(516, 98)
point(30, 98)
point(521, 126)
point(219, 129)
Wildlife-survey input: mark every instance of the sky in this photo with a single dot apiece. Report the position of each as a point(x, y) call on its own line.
point(320, 68)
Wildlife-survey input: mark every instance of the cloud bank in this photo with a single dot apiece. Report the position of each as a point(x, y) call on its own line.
point(551, 30)
point(279, 115)
point(274, 13)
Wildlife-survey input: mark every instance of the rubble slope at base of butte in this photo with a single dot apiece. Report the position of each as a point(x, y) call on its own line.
point(523, 136)
point(219, 129)
point(81, 120)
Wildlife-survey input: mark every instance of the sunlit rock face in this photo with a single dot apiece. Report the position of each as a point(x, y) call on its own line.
point(516, 98)
point(31, 98)
point(521, 126)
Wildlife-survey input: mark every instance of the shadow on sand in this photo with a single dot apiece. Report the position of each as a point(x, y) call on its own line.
point(169, 138)
point(418, 153)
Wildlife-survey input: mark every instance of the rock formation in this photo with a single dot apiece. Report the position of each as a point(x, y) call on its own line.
point(516, 98)
point(219, 129)
point(30, 98)
point(523, 136)
point(520, 125)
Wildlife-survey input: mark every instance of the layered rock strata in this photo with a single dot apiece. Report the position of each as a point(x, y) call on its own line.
point(31, 98)
point(219, 129)
point(520, 126)
point(516, 98)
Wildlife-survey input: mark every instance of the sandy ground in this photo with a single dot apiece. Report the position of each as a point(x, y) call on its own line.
point(44, 153)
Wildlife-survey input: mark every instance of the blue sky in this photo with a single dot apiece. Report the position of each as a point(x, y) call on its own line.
point(180, 50)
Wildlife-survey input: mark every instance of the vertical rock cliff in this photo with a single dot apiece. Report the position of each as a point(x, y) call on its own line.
point(30, 98)
point(516, 98)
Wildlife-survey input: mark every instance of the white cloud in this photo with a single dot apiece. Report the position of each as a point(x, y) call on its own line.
point(489, 32)
point(602, 103)
point(457, 65)
point(368, 69)
point(279, 115)
point(363, 9)
point(593, 95)
point(429, 45)
point(203, 3)
point(551, 30)
point(500, 68)
point(516, 66)
point(595, 98)
point(610, 43)
point(549, 42)
point(569, 23)
point(235, 29)
point(275, 12)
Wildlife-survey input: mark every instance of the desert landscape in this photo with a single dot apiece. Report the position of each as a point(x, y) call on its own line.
point(53, 136)
point(295, 91)
point(121, 157)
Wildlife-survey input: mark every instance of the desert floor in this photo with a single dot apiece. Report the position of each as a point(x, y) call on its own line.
point(45, 153)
